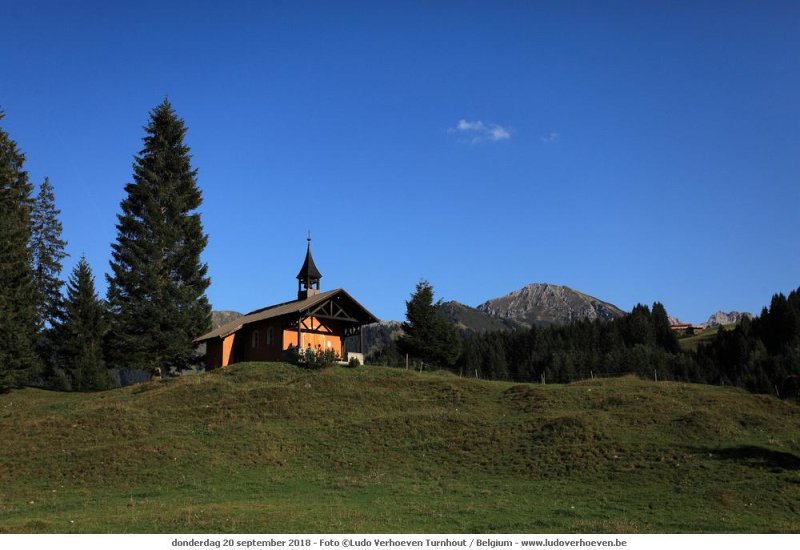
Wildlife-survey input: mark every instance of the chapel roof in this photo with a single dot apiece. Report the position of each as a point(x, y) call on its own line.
point(295, 307)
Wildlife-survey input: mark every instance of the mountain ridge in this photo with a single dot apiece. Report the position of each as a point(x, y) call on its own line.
point(546, 304)
point(222, 317)
point(727, 318)
point(471, 319)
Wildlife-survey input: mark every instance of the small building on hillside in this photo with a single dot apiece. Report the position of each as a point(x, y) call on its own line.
point(317, 320)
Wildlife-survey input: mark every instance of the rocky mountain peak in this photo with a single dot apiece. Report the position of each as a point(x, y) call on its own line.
point(544, 303)
point(723, 318)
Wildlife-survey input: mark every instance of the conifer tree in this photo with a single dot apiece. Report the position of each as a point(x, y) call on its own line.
point(665, 336)
point(18, 327)
point(79, 336)
point(47, 248)
point(157, 286)
point(429, 336)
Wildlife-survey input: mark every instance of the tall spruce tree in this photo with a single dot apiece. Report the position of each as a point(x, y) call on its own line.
point(47, 248)
point(157, 287)
point(18, 328)
point(428, 335)
point(79, 336)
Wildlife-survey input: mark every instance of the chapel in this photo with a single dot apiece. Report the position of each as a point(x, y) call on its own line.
point(315, 320)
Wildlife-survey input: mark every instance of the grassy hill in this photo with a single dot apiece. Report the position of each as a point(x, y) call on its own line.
point(272, 448)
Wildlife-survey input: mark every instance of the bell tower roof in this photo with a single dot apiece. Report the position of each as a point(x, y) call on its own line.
point(309, 276)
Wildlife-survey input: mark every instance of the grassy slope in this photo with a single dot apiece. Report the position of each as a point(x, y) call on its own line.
point(271, 448)
point(691, 343)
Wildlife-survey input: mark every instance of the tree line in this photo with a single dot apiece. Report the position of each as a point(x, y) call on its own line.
point(155, 304)
point(761, 355)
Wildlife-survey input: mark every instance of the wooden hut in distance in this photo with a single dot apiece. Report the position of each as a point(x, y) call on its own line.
point(318, 320)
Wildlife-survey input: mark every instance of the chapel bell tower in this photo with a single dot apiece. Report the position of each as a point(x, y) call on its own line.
point(309, 276)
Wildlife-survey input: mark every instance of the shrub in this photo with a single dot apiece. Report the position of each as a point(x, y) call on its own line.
point(317, 359)
point(353, 362)
point(292, 355)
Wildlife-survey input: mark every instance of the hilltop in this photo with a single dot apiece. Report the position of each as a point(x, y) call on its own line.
point(274, 448)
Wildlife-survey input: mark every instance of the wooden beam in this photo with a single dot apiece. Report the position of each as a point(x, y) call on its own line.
point(346, 319)
point(331, 310)
point(299, 334)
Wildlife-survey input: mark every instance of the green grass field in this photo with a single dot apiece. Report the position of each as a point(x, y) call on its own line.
point(273, 448)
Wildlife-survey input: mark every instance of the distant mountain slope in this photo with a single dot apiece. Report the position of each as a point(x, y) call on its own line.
point(378, 335)
point(546, 304)
point(722, 318)
point(219, 318)
point(470, 319)
point(467, 319)
point(540, 304)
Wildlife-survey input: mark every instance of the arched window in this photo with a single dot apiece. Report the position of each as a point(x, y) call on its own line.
point(270, 336)
point(255, 339)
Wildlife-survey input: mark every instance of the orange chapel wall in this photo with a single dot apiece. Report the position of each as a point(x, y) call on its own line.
point(227, 349)
point(323, 337)
point(218, 352)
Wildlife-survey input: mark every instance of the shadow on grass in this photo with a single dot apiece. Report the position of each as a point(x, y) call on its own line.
point(753, 455)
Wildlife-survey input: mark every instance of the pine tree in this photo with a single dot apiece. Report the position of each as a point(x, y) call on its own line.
point(664, 335)
point(428, 335)
point(157, 287)
point(79, 336)
point(18, 328)
point(47, 248)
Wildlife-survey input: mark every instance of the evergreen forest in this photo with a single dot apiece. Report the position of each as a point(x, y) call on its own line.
point(761, 355)
point(66, 337)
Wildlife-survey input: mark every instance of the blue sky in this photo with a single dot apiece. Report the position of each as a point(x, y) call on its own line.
point(636, 151)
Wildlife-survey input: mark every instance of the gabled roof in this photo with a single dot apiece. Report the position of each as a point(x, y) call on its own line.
point(287, 308)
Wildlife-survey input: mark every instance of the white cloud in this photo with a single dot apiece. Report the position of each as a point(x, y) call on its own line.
point(498, 132)
point(465, 125)
point(552, 137)
point(477, 132)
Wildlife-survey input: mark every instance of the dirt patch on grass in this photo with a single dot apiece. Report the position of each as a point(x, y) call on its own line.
point(526, 398)
point(569, 430)
point(699, 424)
point(617, 401)
point(725, 497)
